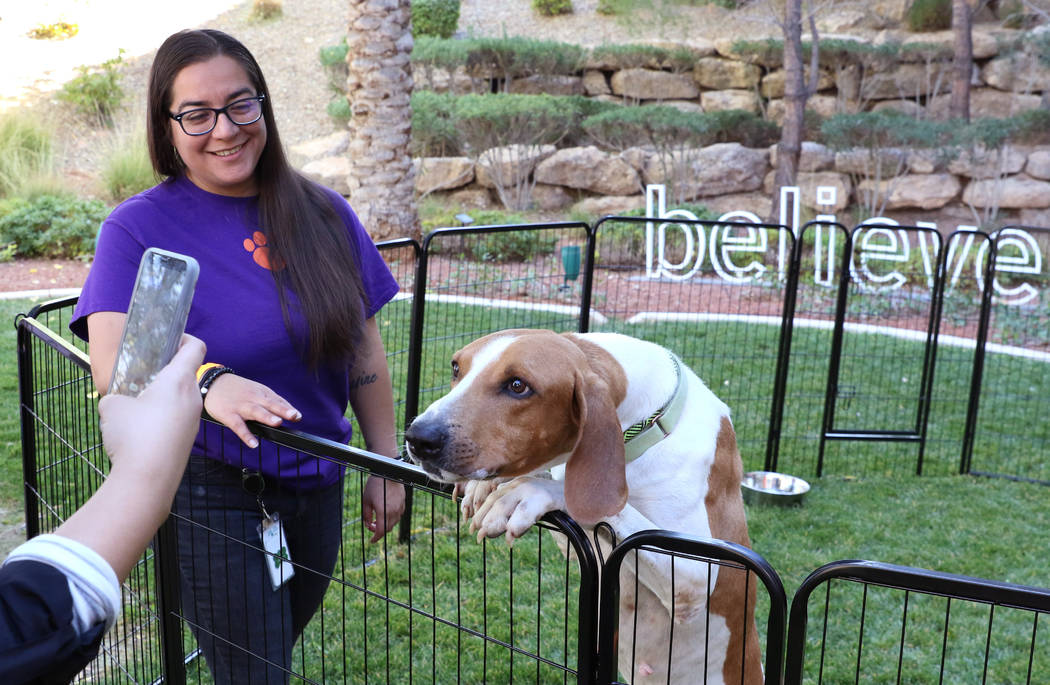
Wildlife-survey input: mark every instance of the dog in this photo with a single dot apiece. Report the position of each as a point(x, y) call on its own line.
point(536, 421)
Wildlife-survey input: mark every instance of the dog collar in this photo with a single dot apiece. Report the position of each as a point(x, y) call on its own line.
point(647, 432)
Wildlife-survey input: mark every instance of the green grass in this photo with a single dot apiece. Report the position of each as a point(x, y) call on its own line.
point(869, 508)
point(955, 524)
point(10, 435)
point(26, 155)
point(126, 168)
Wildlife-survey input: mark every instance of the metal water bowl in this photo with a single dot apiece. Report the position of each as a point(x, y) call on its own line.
point(769, 487)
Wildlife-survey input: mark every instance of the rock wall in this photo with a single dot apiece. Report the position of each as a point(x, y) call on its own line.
point(1007, 79)
point(918, 186)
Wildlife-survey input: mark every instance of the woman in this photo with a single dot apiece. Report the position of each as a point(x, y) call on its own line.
point(288, 288)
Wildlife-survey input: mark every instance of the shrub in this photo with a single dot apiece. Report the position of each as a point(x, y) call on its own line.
point(60, 30)
point(551, 8)
point(435, 17)
point(442, 53)
point(126, 168)
point(524, 121)
point(438, 127)
point(333, 55)
point(265, 10)
point(96, 92)
point(487, 121)
point(25, 151)
point(666, 127)
point(929, 15)
point(881, 130)
point(637, 56)
point(434, 132)
point(339, 109)
point(625, 7)
point(499, 58)
point(513, 246)
point(52, 226)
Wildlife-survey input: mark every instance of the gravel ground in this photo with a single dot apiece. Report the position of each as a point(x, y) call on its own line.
point(287, 48)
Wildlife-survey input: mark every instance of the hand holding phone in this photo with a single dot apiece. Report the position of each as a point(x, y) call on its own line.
point(156, 320)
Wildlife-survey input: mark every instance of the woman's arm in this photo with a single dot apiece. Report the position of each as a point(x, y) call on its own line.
point(231, 400)
point(148, 439)
point(372, 399)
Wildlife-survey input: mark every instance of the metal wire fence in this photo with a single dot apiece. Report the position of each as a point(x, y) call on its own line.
point(840, 351)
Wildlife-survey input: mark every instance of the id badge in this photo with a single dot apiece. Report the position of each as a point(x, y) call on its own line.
point(275, 548)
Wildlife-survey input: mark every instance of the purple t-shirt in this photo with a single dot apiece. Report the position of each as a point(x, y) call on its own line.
point(236, 311)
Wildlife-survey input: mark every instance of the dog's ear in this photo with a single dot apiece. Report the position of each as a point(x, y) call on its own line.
point(595, 477)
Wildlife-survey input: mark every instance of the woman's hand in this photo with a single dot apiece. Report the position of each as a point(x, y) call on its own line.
point(232, 400)
point(382, 503)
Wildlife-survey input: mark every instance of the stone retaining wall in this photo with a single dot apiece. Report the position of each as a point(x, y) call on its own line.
point(1006, 80)
point(921, 185)
point(729, 176)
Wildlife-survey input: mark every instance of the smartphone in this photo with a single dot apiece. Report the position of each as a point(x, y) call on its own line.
point(160, 305)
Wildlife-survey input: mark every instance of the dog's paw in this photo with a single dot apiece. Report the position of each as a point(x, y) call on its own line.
point(513, 507)
point(474, 493)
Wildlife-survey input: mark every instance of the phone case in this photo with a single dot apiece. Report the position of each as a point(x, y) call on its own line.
point(156, 320)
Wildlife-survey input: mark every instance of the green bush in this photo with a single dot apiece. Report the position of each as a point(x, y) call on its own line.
point(25, 151)
point(265, 10)
point(60, 30)
point(52, 226)
point(332, 55)
point(435, 17)
point(929, 15)
point(499, 58)
point(665, 127)
point(487, 121)
point(626, 7)
point(881, 130)
point(834, 52)
point(638, 56)
point(513, 246)
point(434, 132)
point(339, 109)
point(1027, 128)
point(498, 246)
point(444, 124)
point(551, 8)
point(96, 92)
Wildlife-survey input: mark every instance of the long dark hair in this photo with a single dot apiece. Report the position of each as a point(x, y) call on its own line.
point(302, 229)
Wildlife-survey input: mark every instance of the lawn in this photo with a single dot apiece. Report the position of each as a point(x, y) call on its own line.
point(447, 590)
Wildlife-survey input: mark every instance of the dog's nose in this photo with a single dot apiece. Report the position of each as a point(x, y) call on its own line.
point(426, 440)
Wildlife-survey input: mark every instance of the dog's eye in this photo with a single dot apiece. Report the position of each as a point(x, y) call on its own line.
point(455, 370)
point(518, 387)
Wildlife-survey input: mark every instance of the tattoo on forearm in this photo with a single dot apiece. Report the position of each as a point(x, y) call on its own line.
point(363, 380)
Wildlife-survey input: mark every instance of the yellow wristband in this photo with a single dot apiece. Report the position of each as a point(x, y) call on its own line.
point(203, 369)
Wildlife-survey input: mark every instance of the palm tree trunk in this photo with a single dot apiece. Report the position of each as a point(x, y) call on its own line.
point(379, 89)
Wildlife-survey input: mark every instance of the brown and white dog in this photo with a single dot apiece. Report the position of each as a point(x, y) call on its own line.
point(525, 402)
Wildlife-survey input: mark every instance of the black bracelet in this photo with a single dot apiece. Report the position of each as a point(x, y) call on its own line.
point(209, 377)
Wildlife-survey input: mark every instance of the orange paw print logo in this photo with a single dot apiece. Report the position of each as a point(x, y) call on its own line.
point(260, 252)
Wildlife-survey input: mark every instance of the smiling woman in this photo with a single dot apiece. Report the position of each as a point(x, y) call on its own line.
point(219, 152)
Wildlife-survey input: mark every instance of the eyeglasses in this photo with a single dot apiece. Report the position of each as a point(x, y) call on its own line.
point(197, 122)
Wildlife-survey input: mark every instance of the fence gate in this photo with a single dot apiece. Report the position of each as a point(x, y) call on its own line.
point(888, 295)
